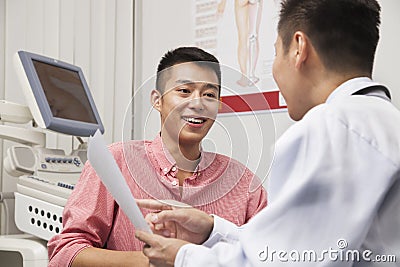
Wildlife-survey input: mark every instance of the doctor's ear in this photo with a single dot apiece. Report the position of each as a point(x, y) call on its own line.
point(302, 47)
point(155, 99)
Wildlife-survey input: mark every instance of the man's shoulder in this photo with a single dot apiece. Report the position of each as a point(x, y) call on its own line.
point(227, 165)
point(121, 147)
point(221, 159)
point(355, 111)
point(130, 143)
point(365, 114)
point(373, 121)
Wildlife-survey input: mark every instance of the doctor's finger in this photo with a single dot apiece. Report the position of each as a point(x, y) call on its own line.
point(152, 204)
point(166, 229)
point(147, 238)
point(170, 229)
point(180, 216)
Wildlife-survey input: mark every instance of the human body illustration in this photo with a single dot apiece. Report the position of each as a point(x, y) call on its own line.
point(248, 15)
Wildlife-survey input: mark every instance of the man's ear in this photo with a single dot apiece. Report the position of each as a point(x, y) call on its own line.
point(302, 46)
point(155, 99)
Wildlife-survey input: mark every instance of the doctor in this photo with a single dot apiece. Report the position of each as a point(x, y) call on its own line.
point(335, 182)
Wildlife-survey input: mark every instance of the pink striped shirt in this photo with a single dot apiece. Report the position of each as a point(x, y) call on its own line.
point(92, 218)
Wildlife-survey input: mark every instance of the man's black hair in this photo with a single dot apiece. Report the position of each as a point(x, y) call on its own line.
point(345, 33)
point(185, 55)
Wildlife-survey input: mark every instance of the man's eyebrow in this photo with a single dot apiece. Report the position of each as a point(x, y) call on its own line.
point(190, 82)
point(181, 81)
point(212, 86)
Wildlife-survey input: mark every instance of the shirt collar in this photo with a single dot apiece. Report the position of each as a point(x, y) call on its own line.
point(162, 155)
point(350, 87)
point(166, 162)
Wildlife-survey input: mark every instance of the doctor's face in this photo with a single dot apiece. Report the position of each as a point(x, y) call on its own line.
point(189, 103)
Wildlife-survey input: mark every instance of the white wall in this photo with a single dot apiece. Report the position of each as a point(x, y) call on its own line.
point(158, 27)
point(96, 35)
point(164, 25)
point(386, 69)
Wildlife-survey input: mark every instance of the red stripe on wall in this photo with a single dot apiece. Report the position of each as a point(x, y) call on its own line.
point(250, 102)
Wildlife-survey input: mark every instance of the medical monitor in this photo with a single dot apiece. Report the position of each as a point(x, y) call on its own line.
point(58, 95)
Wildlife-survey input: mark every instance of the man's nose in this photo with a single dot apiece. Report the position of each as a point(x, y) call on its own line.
point(196, 102)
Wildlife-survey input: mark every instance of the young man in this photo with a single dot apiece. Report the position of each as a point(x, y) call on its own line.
point(334, 196)
point(172, 166)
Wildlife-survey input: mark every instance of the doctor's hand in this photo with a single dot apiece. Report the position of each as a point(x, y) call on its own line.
point(182, 222)
point(161, 251)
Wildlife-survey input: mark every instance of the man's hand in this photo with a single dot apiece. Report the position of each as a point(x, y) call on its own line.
point(181, 222)
point(161, 251)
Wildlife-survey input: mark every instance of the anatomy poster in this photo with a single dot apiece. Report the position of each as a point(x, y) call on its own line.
point(241, 34)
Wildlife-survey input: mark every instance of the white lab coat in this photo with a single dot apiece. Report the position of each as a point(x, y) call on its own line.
point(334, 192)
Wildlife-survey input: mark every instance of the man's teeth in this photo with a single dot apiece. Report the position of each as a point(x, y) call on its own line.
point(194, 120)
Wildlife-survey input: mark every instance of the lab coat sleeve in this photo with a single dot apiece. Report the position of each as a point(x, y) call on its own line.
point(323, 197)
point(223, 239)
point(223, 231)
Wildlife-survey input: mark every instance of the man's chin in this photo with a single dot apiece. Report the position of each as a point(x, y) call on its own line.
point(190, 138)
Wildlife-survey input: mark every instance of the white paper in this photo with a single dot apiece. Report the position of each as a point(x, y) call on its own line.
point(107, 169)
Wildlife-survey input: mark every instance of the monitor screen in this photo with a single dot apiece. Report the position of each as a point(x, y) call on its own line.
point(58, 95)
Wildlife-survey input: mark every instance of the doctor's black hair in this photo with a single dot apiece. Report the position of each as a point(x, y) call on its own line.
point(345, 33)
point(185, 55)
